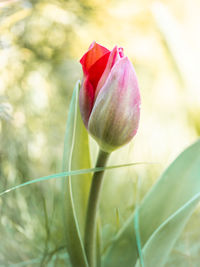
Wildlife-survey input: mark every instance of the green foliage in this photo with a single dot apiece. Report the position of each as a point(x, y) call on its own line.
point(159, 245)
point(76, 155)
point(163, 214)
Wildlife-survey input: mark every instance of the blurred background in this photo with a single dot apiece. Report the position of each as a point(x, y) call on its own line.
point(41, 43)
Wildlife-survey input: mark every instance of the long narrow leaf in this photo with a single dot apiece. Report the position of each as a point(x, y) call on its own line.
point(70, 173)
point(73, 236)
point(137, 223)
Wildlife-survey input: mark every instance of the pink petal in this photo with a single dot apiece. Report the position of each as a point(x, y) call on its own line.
point(114, 56)
point(115, 115)
point(121, 52)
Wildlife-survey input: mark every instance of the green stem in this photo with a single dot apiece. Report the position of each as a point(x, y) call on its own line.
point(93, 203)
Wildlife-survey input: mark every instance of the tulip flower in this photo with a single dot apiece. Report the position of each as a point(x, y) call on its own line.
point(110, 107)
point(109, 96)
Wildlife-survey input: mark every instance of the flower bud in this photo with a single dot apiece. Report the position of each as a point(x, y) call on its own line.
point(109, 96)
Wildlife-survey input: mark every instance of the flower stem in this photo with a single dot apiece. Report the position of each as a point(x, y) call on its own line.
point(93, 203)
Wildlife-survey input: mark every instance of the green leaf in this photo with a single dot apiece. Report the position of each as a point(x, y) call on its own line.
point(69, 173)
point(76, 156)
point(159, 245)
point(137, 223)
point(178, 185)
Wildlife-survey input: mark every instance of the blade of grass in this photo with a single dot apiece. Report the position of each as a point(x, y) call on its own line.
point(70, 173)
point(136, 224)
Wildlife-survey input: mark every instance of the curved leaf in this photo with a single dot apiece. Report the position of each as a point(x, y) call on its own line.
point(159, 245)
point(69, 173)
point(178, 184)
point(76, 155)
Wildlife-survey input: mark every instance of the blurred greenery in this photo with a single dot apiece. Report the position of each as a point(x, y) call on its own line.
point(40, 44)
